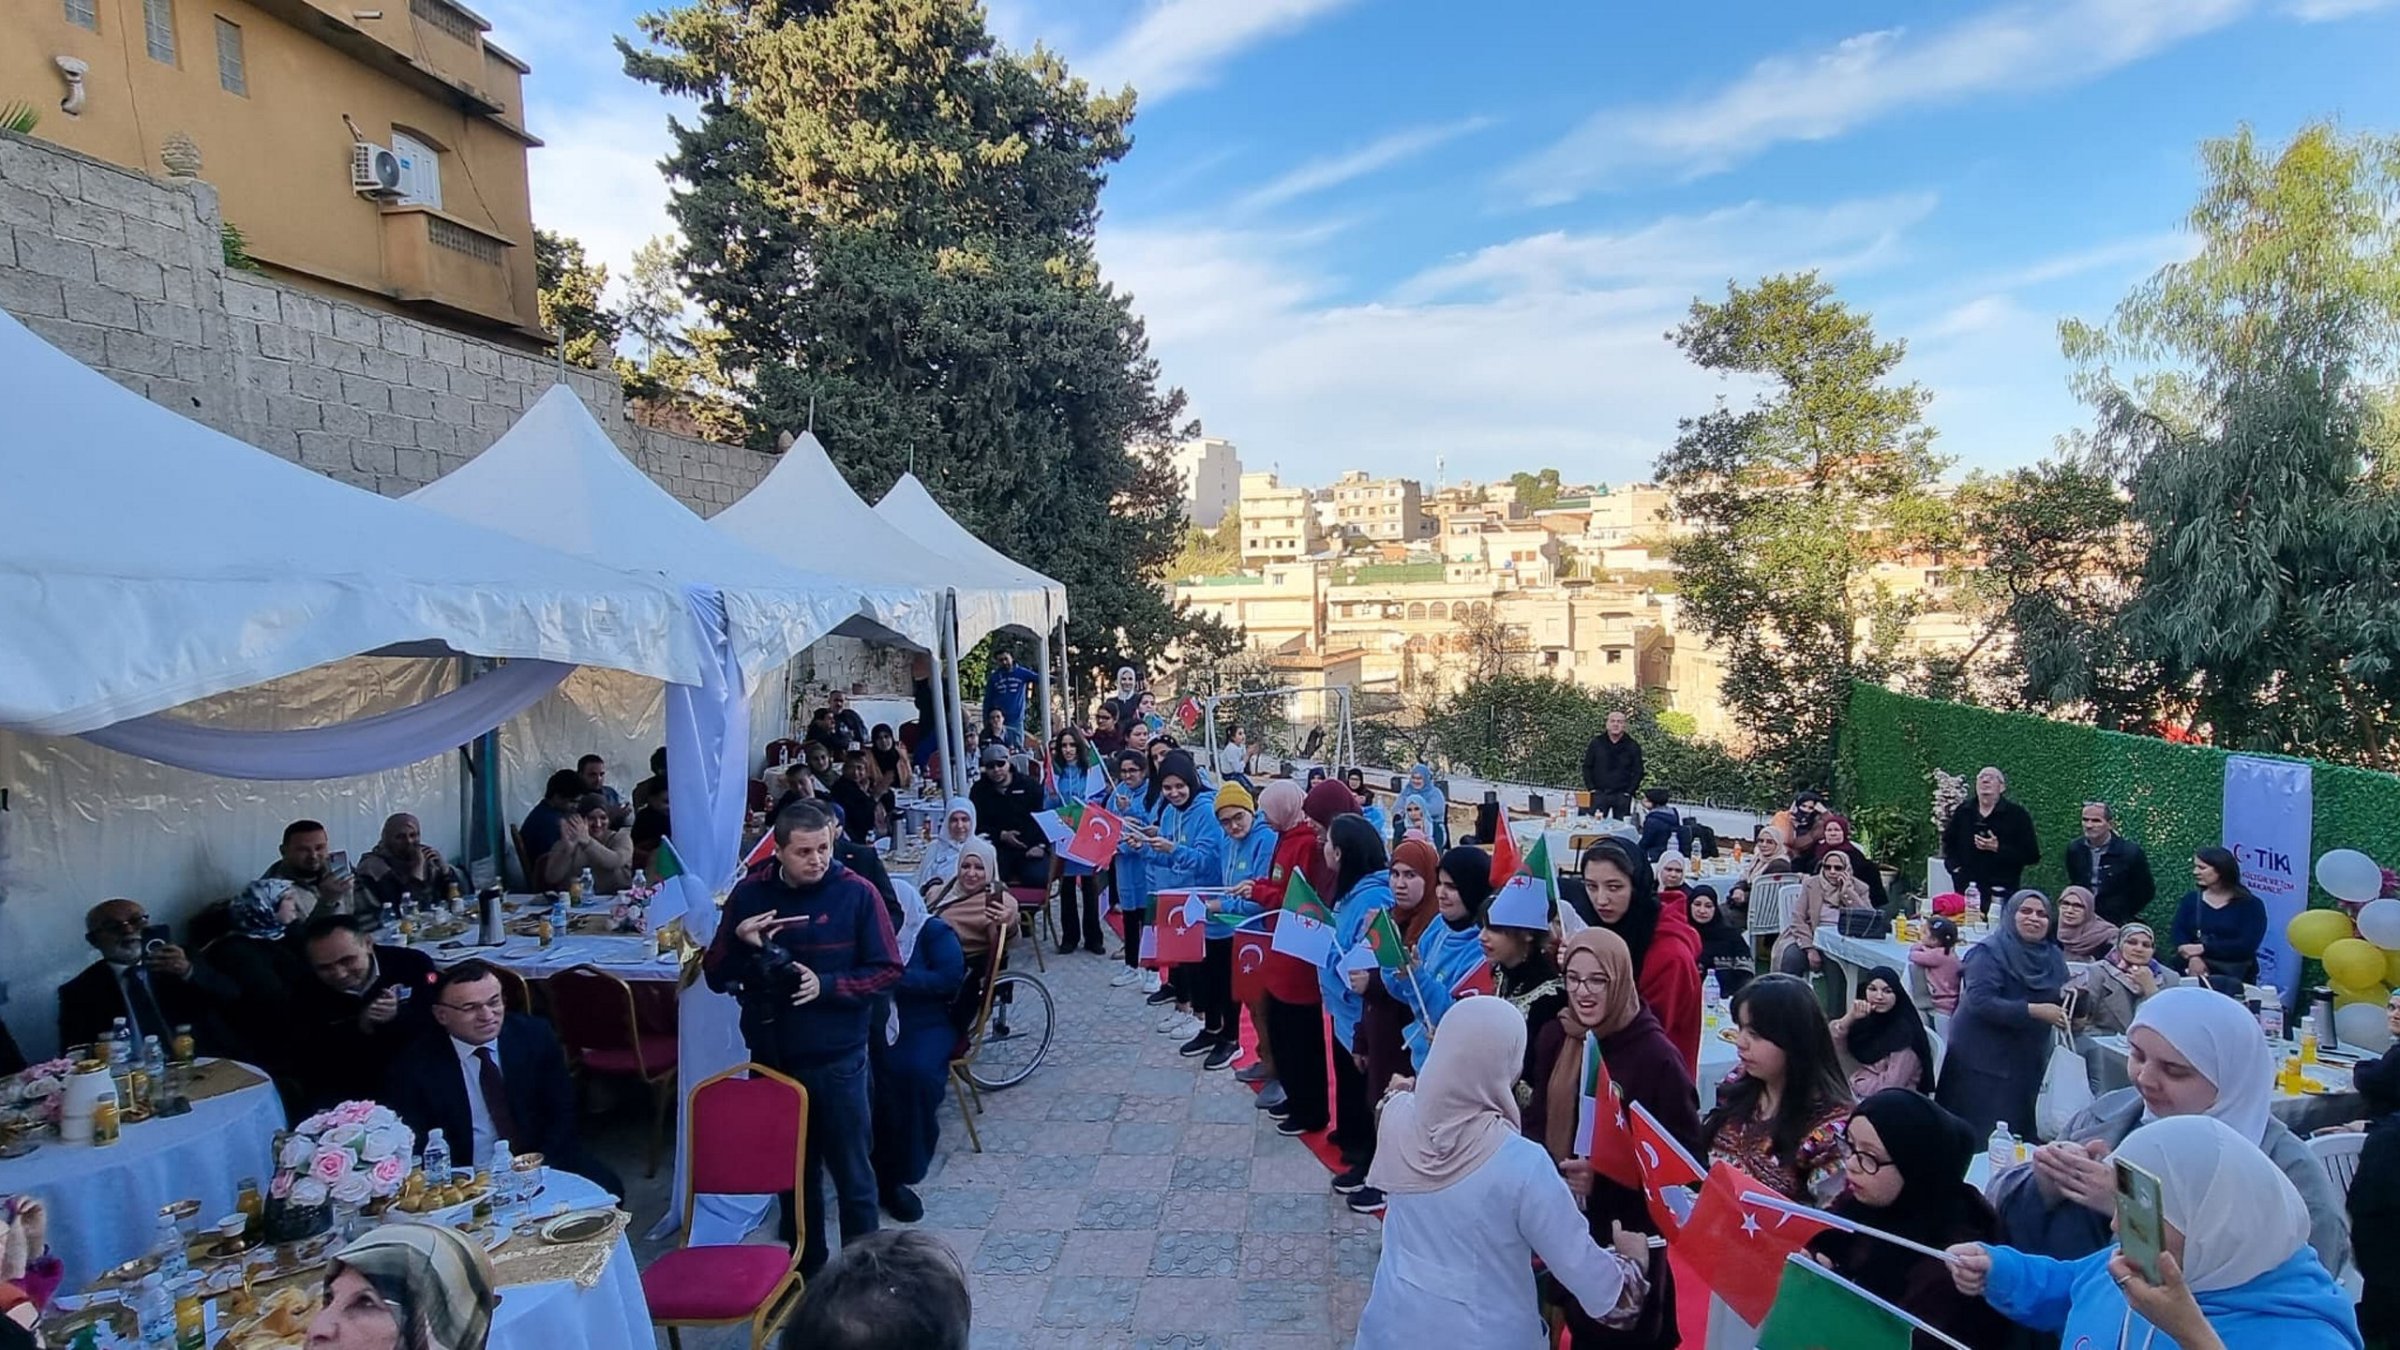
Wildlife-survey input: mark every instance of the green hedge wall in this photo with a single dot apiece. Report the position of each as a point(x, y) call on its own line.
point(2170, 798)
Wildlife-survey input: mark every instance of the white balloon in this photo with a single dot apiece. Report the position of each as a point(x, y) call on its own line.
point(2347, 874)
point(2363, 1026)
point(2379, 923)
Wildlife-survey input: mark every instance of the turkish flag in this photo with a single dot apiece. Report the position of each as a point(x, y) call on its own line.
point(1182, 926)
point(764, 850)
point(1739, 1247)
point(1096, 837)
point(1479, 980)
point(1603, 1140)
point(1505, 861)
point(1250, 961)
point(1665, 1169)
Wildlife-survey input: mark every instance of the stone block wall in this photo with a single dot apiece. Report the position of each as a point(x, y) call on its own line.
point(126, 273)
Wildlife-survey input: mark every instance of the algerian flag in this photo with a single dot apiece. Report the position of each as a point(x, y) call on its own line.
point(665, 862)
point(1816, 1309)
point(1537, 865)
point(1306, 929)
point(1383, 938)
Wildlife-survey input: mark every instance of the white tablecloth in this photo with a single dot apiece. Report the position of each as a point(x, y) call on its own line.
point(104, 1202)
point(1564, 836)
point(1717, 1061)
point(629, 956)
point(611, 1315)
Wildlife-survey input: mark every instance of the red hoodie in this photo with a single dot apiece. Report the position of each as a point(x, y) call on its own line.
point(1289, 979)
point(1670, 981)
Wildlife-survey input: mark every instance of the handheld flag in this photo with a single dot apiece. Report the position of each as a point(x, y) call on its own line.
point(1250, 947)
point(1505, 862)
point(1148, 955)
point(1482, 979)
point(760, 852)
point(665, 862)
point(1665, 1169)
point(1182, 928)
point(1537, 865)
point(1815, 1309)
point(1738, 1245)
point(1600, 1135)
point(1096, 837)
point(1305, 932)
point(1384, 941)
point(1358, 958)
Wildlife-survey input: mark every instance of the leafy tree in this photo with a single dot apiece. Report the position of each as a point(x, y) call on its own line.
point(1210, 553)
point(1797, 497)
point(2053, 547)
point(567, 293)
point(654, 298)
point(1536, 491)
point(1533, 728)
point(891, 218)
point(2242, 403)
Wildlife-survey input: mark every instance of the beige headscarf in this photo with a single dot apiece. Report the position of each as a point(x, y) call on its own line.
point(1464, 1107)
point(445, 1281)
point(1623, 1004)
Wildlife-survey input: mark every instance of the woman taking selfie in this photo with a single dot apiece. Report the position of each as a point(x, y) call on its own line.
point(2012, 987)
point(1780, 1116)
point(1906, 1175)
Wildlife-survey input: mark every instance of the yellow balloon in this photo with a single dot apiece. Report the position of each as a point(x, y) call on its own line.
point(2312, 931)
point(2391, 967)
point(2355, 962)
point(2344, 995)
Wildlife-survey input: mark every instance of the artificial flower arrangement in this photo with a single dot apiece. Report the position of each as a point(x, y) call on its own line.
point(353, 1155)
point(40, 1090)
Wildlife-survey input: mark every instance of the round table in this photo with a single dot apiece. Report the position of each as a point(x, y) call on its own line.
point(611, 1315)
point(104, 1202)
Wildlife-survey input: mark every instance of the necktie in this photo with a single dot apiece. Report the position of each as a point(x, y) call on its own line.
point(147, 1019)
point(495, 1098)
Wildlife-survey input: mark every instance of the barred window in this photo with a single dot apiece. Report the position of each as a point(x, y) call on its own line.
point(82, 14)
point(158, 29)
point(233, 73)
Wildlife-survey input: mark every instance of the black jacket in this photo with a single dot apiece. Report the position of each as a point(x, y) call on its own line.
point(1613, 768)
point(848, 941)
point(267, 975)
point(335, 1061)
point(2002, 869)
point(427, 1086)
point(2125, 887)
point(2374, 1215)
point(1008, 807)
point(90, 1004)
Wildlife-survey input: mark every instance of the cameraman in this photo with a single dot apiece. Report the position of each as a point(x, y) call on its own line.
point(807, 947)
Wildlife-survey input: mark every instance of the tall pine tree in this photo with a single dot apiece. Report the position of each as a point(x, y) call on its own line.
point(891, 217)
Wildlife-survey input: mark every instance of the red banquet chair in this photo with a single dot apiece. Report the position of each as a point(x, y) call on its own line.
point(746, 1136)
point(601, 1028)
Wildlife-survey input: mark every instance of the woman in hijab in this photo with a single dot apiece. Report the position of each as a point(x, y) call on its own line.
point(1295, 1009)
point(1522, 972)
point(1429, 800)
point(1362, 884)
point(1356, 781)
point(1280, 805)
point(1885, 1037)
point(407, 1286)
point(1836, 836)
point(888, 763)
point(911, 1054)
point(940, 862)
point(2374, 1199)
point(1666, 952)
point(854, 792)
point(1906, 1175)
point(2012, 987)
point(1724, 947)
point(1604, 1005)
point(1823, 897)
point(1441, 953)
point(262, 957)
point(2083, 934)
point(1382, 1047)
point(2237, 1268)
point(2112, 989)
point(1473, 1202)
point(976, 906)
point(2193, 1052)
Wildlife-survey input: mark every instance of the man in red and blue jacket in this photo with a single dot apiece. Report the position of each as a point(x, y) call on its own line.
point(806, 946)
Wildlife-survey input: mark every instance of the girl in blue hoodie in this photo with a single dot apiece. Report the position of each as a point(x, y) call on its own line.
point(1362, 884)
point(1129, 800)
point(1447, 949)
point(1247, 847)
point(1185, 852)
point(2239, 1271)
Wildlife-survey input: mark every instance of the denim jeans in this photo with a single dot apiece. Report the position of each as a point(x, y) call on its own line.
point(840, 1141)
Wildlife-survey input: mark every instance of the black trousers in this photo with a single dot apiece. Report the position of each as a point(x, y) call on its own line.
point(1612, 805)
point(1133, 937)
point(1212, 993)
point(1080, 927)
point(1353, 1125)
point(1297, 1032)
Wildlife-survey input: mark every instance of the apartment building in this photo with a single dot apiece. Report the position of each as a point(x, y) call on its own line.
point(375, 153)
point(1210, 470)
point(1379, 510)
point(1279, 524)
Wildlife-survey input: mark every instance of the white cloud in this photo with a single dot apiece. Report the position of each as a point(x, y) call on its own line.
point(1819, 95)
point(2324, 11)
point(1181, 44)
point(1375, 156)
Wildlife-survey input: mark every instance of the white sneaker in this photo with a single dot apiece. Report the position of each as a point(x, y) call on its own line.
point(1183, 1027)
point(1151, 983)
point(1173, 1020)
point(1125, 977)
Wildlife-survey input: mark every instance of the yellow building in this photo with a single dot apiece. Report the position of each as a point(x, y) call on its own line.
point(371, 150)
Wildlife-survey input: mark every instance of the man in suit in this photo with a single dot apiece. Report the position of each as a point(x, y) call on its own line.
point(155, 989)
point(2112, 867)
point(487, 1076)
point(366, 1003)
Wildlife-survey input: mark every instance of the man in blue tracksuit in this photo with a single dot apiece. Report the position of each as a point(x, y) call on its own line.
point(1004, 690)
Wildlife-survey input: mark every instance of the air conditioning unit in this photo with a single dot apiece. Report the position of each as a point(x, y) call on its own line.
point(374, 171)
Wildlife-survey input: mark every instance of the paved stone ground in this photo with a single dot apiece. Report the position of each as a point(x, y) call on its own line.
point(1124, 1198)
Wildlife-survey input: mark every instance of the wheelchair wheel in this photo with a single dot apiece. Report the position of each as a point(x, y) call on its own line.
point(1022, 1005)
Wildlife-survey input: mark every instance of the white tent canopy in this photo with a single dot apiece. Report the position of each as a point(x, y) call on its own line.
point(556, 479)
point(148, 561)
point(805, 513)
point(912, 508)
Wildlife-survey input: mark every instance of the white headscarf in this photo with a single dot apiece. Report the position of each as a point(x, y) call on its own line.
point(2240, 1216)
point(912, 923)
point(2222, 1040)
point(940, 862)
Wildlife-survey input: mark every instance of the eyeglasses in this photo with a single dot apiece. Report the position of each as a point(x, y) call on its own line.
point(1867, 1163)
point(129, 923)
point(496, 1003)
point(1586, 984)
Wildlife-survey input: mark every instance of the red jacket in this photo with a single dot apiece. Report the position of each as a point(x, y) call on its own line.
point(1289, 979)
point(1670, 981)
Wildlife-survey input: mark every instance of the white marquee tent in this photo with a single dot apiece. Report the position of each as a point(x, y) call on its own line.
point(1032, 601)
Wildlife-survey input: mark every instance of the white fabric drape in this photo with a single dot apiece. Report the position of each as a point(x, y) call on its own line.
point(366, 745)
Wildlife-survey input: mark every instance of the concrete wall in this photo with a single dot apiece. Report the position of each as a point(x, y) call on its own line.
point(127, 274)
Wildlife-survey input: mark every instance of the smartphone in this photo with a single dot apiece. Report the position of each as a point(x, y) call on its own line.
point(2141, 1226)
point(337, 863)
point(156, 936)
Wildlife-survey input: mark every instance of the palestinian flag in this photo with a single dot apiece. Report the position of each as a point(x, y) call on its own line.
point(1383, 937)
point(761, 851)
point(1815, 1309)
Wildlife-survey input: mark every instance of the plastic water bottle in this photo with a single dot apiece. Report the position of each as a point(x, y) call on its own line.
point(503, 1166)
point(2002, 1150)
point(1710, 998)
point(437, 1159)
point(120, 1045)
point(154, 1057)
point(641, 881)
point(585, 878)
point(2270, 1012)
point(167, 1244)
point(154, 1314)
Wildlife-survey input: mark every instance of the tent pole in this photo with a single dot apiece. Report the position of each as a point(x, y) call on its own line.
point(1042, 674)
point(958, 698)
point(941, 718)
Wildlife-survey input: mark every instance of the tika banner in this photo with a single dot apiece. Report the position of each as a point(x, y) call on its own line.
point(2268, 806)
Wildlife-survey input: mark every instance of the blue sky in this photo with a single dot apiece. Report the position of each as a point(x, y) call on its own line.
point(1378, 233)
